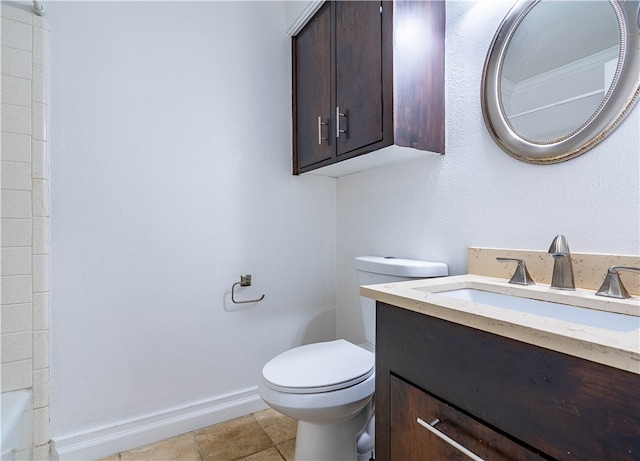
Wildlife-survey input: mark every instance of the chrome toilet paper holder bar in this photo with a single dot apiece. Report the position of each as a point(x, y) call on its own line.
point(245, 281)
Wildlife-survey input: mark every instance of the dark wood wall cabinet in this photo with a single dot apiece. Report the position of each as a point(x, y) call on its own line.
point(499, 398)
point(345, 61)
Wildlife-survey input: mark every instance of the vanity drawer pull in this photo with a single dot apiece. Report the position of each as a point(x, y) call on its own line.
point(449, 440)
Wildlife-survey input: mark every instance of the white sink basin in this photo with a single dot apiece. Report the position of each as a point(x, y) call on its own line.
point(565, 312)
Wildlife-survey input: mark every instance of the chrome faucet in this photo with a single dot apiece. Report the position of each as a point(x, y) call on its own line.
point(562, 277)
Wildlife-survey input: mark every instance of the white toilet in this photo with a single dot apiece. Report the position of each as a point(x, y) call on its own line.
point(328, 387)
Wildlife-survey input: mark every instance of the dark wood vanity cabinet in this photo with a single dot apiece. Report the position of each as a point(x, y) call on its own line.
point(502, 399)
point(345, 102)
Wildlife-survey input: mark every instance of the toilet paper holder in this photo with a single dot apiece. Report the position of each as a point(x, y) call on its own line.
point(245, 281)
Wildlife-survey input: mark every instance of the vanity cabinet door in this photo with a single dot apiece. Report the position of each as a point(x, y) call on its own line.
point(312, 105)
point(411, 441)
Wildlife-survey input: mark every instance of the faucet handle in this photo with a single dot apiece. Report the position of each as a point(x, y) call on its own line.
point(612, 286)
point(521, 275)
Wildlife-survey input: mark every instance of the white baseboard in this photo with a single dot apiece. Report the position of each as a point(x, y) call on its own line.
point(101, 442)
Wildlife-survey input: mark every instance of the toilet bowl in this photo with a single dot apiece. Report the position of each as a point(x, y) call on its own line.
point(329, 386)
point(325, 386)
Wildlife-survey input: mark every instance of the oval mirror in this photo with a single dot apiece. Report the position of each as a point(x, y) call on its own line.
point(560, 76)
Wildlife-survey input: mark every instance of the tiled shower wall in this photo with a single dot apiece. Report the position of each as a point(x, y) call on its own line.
point(24, 315)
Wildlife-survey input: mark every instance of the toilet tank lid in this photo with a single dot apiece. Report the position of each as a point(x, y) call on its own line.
point(399, 267)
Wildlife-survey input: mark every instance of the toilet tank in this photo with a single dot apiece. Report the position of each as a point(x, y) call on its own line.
point(386, 269)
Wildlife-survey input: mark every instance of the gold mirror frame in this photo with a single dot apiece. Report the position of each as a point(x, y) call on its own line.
point(616, 104)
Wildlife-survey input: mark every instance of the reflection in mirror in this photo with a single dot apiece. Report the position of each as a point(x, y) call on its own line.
point(552, 82)
point(560, 76)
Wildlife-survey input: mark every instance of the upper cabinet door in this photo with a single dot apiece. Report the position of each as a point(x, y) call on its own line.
point(359, 99)
point(312, 106)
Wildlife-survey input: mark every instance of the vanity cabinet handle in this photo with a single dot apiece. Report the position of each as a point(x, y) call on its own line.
point(449, 440)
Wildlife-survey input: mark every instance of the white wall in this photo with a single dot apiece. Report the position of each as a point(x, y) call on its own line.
point(476, 195)
point(171, 176)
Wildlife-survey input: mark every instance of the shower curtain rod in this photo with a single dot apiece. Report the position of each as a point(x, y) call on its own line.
point(38, 8)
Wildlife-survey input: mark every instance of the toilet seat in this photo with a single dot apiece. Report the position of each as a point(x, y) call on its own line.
point(319, 367)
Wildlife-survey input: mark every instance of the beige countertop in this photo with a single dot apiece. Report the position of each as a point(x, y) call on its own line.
point(613, 348)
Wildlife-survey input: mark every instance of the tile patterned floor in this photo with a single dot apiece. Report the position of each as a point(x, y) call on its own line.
point(263, 436)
